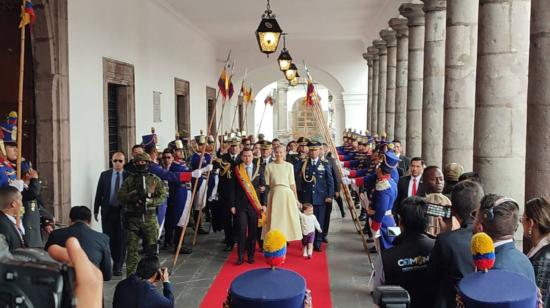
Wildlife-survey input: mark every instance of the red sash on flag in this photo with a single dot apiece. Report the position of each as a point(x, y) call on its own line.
point(248, 187)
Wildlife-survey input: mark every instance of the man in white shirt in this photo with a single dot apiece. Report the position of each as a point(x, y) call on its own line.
point(11, 224)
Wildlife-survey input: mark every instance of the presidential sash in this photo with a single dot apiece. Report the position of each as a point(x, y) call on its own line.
point(248, 187)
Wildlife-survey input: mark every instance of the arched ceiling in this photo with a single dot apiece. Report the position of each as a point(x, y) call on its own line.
point(236, 20)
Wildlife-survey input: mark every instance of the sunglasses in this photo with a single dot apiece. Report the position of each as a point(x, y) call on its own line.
point(118, 161)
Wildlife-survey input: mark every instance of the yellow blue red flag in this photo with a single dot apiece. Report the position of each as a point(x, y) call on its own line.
point(27, 14)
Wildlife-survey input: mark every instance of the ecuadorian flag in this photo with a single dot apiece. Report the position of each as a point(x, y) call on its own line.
point(225, 85)
point(27, 14)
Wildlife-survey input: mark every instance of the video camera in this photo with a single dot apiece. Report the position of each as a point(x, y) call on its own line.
point(30, 278)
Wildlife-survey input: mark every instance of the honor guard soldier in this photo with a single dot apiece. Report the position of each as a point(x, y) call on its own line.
point(199, 202)
point(315, 185)
point(8, 152)
point(140, 195)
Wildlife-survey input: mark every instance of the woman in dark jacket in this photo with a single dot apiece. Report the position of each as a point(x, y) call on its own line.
point(536, 226)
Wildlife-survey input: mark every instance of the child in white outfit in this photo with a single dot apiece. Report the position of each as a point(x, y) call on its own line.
point(309, 224)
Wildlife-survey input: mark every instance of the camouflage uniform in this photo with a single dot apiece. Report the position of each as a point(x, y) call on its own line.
point(140, 222)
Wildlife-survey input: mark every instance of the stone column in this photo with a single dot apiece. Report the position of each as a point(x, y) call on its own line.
point(375, 77)
point(460, 82)
point(391, 43)
point(415, 16)
point(280, 114)
point(538, 104)
point(501, 96)
point(434, 81)
point(370, 59)
point(400, 26)
point(382, 83)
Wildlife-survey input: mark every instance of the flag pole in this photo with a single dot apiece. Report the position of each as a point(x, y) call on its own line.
point(211, 121)
point(20, 94)
point(326, 132)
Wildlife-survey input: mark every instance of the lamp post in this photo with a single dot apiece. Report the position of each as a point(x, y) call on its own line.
point(268, 32)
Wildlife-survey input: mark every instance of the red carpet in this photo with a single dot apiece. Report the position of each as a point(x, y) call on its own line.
point(315, 271)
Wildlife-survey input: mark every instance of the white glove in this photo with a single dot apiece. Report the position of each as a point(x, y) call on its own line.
point(341, 163)
point(345, 172)
point(346, 180)
point(19, 184)
point(196, 173)
point(208, 168)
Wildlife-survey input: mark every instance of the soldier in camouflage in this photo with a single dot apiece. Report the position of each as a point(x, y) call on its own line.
point(140, 195)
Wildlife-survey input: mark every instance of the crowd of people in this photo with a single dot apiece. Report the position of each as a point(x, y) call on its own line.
point(419, 219)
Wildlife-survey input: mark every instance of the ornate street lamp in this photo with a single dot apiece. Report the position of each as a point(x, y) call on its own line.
point(284, 57)
point(295, 80)
point(268, 32)
point(291, 72)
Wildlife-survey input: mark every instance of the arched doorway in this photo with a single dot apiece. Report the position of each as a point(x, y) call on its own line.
point(46, 96)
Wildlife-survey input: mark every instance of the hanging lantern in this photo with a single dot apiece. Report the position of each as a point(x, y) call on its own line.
point(291, 72)
point(268, 32)
point(295, 80)
point(284, 57)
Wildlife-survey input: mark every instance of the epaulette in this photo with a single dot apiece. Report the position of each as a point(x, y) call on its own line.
point(324, 159)
point(383, 185)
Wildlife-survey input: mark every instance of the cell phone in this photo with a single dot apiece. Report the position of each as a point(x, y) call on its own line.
point(438, 210)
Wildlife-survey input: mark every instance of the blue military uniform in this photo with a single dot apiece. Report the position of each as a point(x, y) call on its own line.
point(8, 134)
point(383, 198)
point(315, 183)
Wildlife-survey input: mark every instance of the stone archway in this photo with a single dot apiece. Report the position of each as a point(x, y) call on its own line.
point(50, 56)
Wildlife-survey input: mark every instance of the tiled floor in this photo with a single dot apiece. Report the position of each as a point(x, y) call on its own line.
point(348, 266)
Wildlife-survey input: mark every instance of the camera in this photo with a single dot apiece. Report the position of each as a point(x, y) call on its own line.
point(30, 278)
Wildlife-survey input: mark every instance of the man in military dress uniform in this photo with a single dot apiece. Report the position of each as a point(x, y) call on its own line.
point(302, 151)
point(140, 195)
point(226, 165)
point(315, 185)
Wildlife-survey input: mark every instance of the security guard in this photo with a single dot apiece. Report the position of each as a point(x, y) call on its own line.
point(315, 185)
point(140, 195)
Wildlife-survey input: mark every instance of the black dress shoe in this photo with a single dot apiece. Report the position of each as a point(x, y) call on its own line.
point(239, 261)
point(228, 248)
point(317, 248)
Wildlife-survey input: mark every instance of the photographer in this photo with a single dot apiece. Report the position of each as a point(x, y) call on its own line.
point(139, 288)
point(406, 264)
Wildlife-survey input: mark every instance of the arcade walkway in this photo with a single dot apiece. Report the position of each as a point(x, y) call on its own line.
point(348, 267)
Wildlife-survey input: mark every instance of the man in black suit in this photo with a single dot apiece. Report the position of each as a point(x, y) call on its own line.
point(451, 257)
point(246, 204)
point(106, 199)
point(11, 227)
point(404, 161)
point(410, 185)
point(95, 244)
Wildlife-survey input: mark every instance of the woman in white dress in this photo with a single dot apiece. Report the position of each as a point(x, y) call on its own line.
point(283, 208)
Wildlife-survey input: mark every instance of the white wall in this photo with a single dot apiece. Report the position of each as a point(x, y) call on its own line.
point(160, 45)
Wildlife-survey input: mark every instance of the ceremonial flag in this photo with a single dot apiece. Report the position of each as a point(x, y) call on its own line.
point(247, 96)
point(311, 95)
point(27, 14)
point(225, 84)
point(268, 100)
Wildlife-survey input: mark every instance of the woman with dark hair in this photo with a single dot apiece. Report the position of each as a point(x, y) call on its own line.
point(536, 226)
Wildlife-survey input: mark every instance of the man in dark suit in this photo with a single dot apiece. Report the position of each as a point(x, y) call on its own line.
point(451, 257)
point(95, 244)
point(106, 199)
point(315, 185)
point(404, 161)
point(498, 216)
point(11, 203)
point(138, 290)
point(410, 185)
point(246, 204)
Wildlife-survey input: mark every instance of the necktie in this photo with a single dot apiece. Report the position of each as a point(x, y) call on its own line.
point(413, 191)
point(114, 199)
